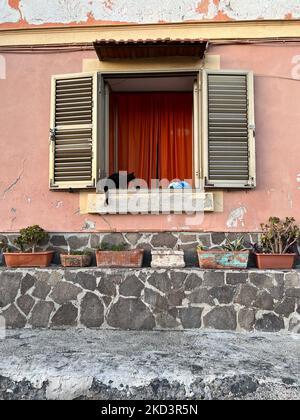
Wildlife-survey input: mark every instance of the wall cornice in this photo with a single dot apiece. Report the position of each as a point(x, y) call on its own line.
point(231, 30)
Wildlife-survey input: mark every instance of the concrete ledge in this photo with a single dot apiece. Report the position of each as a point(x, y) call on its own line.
point(118, 365)
point(149, 299)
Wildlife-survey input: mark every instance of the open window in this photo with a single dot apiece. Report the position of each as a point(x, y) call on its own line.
point(180, 125)
point(150, 127)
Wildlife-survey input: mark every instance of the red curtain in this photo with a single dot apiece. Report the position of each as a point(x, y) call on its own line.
point(154, 134)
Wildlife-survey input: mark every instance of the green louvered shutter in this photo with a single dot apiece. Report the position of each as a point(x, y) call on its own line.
point(73, 134)
point(229, 129)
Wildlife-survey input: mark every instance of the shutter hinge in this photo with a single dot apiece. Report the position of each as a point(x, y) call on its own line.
point(52, 134)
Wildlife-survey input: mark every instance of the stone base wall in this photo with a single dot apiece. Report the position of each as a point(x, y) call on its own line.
point(187, 242)
point(148, 299)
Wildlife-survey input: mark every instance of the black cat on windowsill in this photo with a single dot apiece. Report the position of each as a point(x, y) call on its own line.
point(116, 178)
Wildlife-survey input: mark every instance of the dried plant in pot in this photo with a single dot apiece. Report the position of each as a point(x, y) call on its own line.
point(76, 258)
point(27, 256)
point(276, 249)
point(113, 256)
point(232, 255)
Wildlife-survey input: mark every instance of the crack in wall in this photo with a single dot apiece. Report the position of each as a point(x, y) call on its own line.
point(14, 183)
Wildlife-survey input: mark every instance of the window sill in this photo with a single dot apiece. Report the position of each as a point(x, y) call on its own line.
point(154, 202)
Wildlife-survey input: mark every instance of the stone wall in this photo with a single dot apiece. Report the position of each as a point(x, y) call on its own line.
point(147, 241)
point(148, 299)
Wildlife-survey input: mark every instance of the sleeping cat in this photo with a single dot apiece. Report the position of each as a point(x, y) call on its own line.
point(116, 178)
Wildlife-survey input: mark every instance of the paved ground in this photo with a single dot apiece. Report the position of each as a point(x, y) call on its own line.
point(81, 364)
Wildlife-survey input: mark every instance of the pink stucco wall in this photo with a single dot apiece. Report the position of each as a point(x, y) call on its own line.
point(24, 128)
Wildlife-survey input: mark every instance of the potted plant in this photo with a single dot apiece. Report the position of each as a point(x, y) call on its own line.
point(27, 242)
point(76, 258)
point(232, 255)
point(3, 246)
point(276, 249)
point(118, 256)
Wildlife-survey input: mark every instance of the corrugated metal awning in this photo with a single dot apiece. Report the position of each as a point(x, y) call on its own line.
point(129, 49)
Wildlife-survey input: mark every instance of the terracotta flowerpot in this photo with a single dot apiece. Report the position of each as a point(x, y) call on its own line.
point(36, 259)
point(129, 259)
point(215, 259)
point(275, 261)
point(75, 260)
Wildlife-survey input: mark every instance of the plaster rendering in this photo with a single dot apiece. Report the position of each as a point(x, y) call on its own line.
point(113, 365)
point(30, 12)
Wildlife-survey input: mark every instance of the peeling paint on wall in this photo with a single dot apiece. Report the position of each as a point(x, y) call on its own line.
point(236, 217)
point(43, 12)
point(89, 225)
point(8, 13)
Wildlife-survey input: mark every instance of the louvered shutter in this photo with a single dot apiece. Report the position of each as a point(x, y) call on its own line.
point(73, 134)
point(229, 130)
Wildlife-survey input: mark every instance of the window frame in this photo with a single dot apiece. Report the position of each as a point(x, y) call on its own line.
point(196, 114)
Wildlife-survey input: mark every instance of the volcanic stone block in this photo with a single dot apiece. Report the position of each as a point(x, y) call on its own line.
point(114, 239)
point(63, 292)
point(78, 242)
point(224, 294)
point(161, 282)
point(236, 278)
point(246, 319)
point(155, 300)
point(264, 301)
point(130, 314)
point(9, 287)
point(66, 316)
point(270, 323)
point(41, 314)
point(41, 290)
point(261, 280)
point(214, 279)
point(25, 303)
point(86, 280)
point(132, 286)
point(13, 317)
point(27, 283)
point(177, 279)
point(164, 240)
point(192, 282)
point(92, 311)
point(221, 318)
point(286, 307)
point(58, 240)
point(201, 296)
point(133, 238)
point(190, 317)
point(246, 295)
